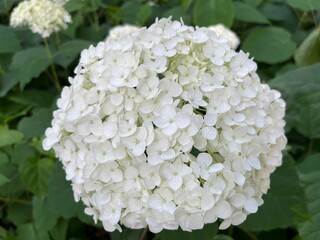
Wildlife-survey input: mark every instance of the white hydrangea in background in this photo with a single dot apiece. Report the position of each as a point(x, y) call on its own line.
point(168, 127)
point(118, 31)
point(221, 30)
point(41, 16)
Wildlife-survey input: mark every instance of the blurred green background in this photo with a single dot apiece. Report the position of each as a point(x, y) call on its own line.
point(283, 36)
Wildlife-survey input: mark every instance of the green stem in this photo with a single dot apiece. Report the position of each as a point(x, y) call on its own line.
point(53, 68)
point(13, 200)
point(95, 16)
point(144, 233)
point(250, 234)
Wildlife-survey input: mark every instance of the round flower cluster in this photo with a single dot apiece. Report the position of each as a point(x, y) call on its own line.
point(41, 16)
point(117, 32)
point(168, 127)
point(221, 30)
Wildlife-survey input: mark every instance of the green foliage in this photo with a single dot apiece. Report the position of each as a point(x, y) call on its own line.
point(269, 45)
point(210, 12)
point(309, 172)
point(285, 199)
point(29, 63)
point(309, 51)
point(37, 202)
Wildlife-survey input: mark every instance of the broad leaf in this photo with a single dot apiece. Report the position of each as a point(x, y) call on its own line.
point(30, 63)
point(3, 179)
point(8, 136)
point(211, 12)
point(284, 204)
point(9, 42)
point(305, 5)
point(247, 13)
point(270, 45)
point(309, 173)
point(299, 81)
point(69, 51)
point(309, 51)
point(35, 125)
point(35, 174)
point(34, 97)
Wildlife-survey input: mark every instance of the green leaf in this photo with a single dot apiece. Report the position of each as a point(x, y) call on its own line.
point(21, 152)
point(58, 203)
point(35, 125)
point(9, 42)
point(247, 13)
point(7, 82)
point(309, 115)
point(276, 12)
point(309, 51)
point(3, 158)
point(309, 173)
point(74, 5)
point(35, 174)
point(222, 237)
point(59, 232)
point(19, 213)
point(207, 233)
point(26, 231)
point(3, 179)
point(253, 3)
point(30, 63)
point(34, 97)
point(143, 14)
point(69, 51)
point(305, 5)
point(177, 13)
point(270, 45)
point(14, 186)
point(211, 12)
point(8, 136)
point(284, 204)
point(299, 81)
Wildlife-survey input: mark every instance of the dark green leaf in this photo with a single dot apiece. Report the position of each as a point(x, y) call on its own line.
point(309, 51)
point(253, 3)
point(21, 152)
point(247, 13)
point(276, 12)
point(14, 186)
point(30, 63)
point(3, 179)
point(309, 173)
point(298, 81)
point(126, 234)
point(207, 233)
point(143, 14)
point(26, 231)
point(59, 232)
point(211, 12)
point(3, 158)
point(270, 45)
point(305, 5)
point(35, 174)
point(8, 136)
point(9, 42)
point(34, 97)
point(7, 82)
point(35, 125)
point(284, 204)
point(69, 51)
point(19, 213)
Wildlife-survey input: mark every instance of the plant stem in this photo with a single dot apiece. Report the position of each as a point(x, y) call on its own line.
point(144, 233)
point(95, 16)
point(53, 68)
point(13, 200)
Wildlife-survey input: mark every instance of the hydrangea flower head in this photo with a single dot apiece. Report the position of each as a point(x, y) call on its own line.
point(41, 16)
point(221, 30)
point(117, 32)
point(168, 127)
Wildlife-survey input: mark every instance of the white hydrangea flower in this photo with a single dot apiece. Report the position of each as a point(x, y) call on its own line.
point(168, 127)
point(223, 31)
point(41, 16)
point(117, 32)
